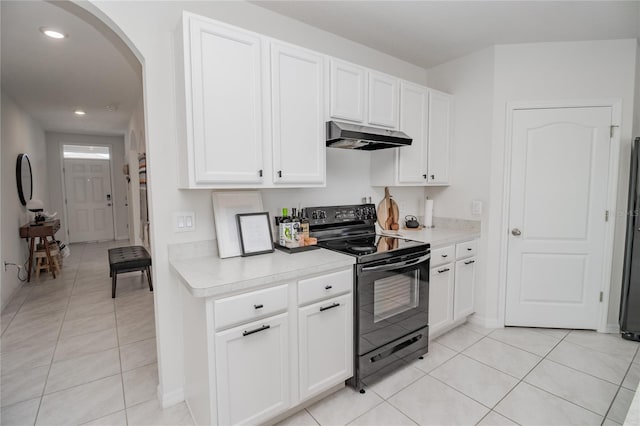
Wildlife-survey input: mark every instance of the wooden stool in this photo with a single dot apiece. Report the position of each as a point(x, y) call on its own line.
point(42, 261)
point(128, 259)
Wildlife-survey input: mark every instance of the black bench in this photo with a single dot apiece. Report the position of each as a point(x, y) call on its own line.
point(128, 259)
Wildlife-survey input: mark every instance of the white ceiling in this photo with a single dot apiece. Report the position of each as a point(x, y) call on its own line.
point(428, 33)
point(92, 68)
point(50, 78)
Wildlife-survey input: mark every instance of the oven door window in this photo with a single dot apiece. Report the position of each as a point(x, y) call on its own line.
point(395, 294)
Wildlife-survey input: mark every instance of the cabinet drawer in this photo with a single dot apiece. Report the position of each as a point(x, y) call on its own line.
point(325, 286)
point(442, 255)
point(250, 306)
point(466, 249)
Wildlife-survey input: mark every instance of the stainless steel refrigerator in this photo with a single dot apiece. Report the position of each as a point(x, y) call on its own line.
point(630, 297)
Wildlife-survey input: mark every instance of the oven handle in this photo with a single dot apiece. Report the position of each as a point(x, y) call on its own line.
point(397, 265)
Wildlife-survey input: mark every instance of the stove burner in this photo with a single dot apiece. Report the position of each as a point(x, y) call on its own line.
point(362, 249)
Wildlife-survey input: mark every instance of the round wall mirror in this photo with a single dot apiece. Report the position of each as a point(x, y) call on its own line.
point(24, 178)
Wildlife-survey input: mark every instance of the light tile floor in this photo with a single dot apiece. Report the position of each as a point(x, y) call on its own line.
point(70, 354)
point(506, 376)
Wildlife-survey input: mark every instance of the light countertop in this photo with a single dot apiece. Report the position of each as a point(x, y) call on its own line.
point(438, 236)
point(209, 275)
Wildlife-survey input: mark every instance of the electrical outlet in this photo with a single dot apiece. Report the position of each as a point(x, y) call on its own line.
point(184, 221)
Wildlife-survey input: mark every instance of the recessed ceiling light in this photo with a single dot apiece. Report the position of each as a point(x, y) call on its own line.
point(79, 112)
point(53, 33)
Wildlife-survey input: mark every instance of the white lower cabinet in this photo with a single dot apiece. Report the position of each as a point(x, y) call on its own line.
point(441, 281)
point(325, 344)
point(451, 286)
point(253, 356)
point(252, 371)
point(465, 283)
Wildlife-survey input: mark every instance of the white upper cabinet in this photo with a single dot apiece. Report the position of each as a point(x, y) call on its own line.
point(347, 91)
point(250, 109)
point(439, 137)
point(383, 100)
point(297, 100)
point(425, 115)
point(223, 76)
point(362, 96)
point(412, 160)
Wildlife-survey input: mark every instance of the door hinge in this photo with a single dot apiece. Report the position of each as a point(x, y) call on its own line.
point(613, 126)
point(606, 215)
point(601, 296)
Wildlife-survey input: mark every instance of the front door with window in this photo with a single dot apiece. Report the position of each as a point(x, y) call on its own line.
point(89, 199)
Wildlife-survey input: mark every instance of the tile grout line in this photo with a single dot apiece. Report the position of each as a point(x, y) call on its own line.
point(560, 397)
point(124, 400)
point(44, 387)
point(619, 387)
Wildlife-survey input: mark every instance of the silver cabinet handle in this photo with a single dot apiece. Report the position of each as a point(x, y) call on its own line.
point(444, 270)
point(516, 232)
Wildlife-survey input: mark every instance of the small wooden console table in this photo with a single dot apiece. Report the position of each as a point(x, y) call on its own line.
point(43, 230)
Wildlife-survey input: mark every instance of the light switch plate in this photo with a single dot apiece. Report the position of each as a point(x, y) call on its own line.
point(476, 207)
point(184, 221)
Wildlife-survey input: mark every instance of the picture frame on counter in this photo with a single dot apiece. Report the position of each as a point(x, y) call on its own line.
point(254, 232)
point(226, 204)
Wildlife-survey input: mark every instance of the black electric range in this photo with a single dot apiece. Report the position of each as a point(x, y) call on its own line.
point(391, 294)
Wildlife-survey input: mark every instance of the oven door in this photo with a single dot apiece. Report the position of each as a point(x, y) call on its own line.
point(392, 300)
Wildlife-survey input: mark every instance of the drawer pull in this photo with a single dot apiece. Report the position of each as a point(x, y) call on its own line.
point(260, 306)
point(445, 255)
point(325, 308)
point(468, 262)
point(257, 330)
point(469, 249)
point(444, 270)
point(328, 287)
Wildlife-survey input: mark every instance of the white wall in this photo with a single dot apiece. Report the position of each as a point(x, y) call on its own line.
point(148, 29)
point(525, 72)
point(134, 143)
point(20, 134)
point(558, 71)
point(119, 195)
point(347, 183)
point(470, 80)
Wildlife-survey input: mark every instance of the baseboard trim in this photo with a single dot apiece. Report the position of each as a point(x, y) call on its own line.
point(485, 322)
point(168, 399)
point(612, 328)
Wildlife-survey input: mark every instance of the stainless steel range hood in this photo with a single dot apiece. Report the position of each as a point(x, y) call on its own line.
point(353, 136)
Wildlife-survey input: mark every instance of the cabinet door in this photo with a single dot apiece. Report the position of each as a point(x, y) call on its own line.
point(441, 287)
point(252, 371)
point(297, 102)
point(226, 103)
point(439, 137)
point(464, 288)
point(347, 94)
point(383, 100)
point(326, 344)
point(412, 160)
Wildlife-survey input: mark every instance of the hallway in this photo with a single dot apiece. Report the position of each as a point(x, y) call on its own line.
point(71, 354)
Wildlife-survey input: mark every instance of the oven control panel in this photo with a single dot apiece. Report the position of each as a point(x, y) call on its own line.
point(341, 214)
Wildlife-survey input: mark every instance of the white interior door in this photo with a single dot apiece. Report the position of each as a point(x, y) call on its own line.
point(89, 200)
point(559, 180)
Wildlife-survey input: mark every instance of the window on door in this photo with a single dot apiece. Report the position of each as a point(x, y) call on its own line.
point(86, 152)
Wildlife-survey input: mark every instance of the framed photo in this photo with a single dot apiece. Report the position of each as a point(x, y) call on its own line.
point(254, 232)
point(226, 204)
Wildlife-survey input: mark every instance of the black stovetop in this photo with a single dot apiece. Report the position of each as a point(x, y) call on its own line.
point(351, 230)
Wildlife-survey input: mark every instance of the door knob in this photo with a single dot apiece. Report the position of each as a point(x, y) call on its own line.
point(516, 232)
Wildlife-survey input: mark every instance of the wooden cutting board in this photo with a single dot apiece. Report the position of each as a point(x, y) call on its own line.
point(388, 212)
